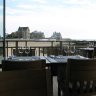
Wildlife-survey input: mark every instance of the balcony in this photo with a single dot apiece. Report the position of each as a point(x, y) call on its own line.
point(42, 47)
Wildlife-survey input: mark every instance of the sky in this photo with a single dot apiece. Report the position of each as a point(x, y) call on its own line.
point(75, 19)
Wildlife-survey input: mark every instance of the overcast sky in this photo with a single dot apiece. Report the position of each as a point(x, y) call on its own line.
point(75, 19)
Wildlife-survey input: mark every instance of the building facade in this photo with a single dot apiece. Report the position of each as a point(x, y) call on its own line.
point(37, 35)
point(56, 35)
point(23, 32)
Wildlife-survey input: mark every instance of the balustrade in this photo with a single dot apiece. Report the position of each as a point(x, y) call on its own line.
point(43, 48)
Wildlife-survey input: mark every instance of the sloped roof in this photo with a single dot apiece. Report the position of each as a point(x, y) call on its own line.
point(23, 28)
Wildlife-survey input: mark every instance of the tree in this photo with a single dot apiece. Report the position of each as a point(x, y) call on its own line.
point(12, 35)
point(37, 35)
point(0, 37)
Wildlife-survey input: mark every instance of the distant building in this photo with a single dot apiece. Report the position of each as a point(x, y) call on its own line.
point(23, 32)
point(37, 35)
point(56, 35)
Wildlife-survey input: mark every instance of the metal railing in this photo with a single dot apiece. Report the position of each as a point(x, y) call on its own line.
point(42, 46)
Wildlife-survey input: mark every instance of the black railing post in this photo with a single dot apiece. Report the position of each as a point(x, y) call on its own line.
point(69, 47)
point(60, 44)
point(4, 51)
point(16, 46)
point(25, 43)
point(51, 43)
point(7, 47)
